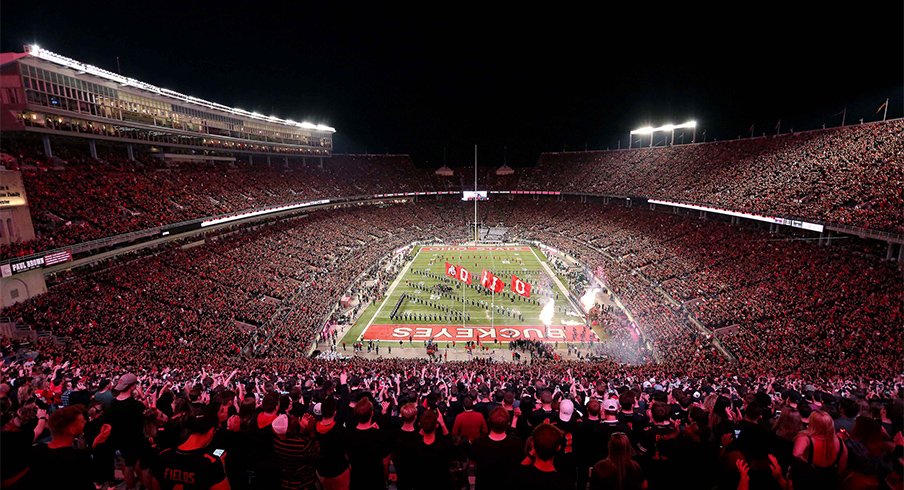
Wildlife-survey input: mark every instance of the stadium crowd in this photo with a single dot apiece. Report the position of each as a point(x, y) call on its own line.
point(226, 294)
point(849, 176)
point(684, 283)
point(303, 423)
point(85, 199)
point(820, 309)
point(192, 363)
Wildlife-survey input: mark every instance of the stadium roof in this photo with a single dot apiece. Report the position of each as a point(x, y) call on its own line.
point(41, 53)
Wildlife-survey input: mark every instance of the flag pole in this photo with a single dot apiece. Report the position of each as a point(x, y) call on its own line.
point(886, 109)
point(843, 116)
point(462, 291)
point(493, 293)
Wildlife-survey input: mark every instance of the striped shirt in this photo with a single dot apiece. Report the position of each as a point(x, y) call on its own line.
point(296, 456)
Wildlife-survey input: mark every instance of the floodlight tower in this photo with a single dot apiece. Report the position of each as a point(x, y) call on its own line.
point(641, 131)
point(664, 128)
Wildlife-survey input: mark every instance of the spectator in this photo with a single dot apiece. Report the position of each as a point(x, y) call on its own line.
point(469, 425)
point(193, 464)
point(785, 430)
point(368, 449)
point(821, 455)
point(126, 420)
point(656, 446)
point(405, 448)
point(433, 457)
point(869, 455)
point(103, 394)
point(59, 464)
point(497, 454)
point(296, 451)
point(538, 470)
point(566, 460)
point(618, 471)
point(332, 466)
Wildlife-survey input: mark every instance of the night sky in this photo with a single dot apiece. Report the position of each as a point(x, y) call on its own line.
point(453, 75)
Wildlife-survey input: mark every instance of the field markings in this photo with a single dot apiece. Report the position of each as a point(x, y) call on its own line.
point(554, 277)
point(389, 292)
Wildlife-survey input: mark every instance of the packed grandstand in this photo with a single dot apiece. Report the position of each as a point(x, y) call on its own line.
point(197, 300)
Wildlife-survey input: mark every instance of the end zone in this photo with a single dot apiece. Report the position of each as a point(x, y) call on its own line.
point(457, 333)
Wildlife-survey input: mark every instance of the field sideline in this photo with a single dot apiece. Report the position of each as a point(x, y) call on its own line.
point(426, 304)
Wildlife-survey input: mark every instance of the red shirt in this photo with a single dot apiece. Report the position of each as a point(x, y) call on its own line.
point(470, 425)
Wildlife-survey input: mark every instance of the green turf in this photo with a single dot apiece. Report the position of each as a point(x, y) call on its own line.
point(414, 284)
point(358, 327)
point(540, 254)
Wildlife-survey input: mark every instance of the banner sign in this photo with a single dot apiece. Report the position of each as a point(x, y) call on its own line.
point(17, 267)
point(57, 258)
point(27, 265)
point(449, 333)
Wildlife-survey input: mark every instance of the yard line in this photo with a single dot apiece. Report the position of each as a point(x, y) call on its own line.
point(552, 274)
point(392, 287)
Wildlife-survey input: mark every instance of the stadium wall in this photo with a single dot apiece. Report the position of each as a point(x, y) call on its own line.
point(21, 287)
point(15, 216)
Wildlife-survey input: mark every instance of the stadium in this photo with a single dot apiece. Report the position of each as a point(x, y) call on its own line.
point(196, 295)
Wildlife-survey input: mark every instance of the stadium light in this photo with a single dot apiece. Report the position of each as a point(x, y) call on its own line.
point(649, 130)
point(41, 53)
point(690, 125)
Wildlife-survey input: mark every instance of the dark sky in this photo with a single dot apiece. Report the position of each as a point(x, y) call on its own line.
point(452, 75)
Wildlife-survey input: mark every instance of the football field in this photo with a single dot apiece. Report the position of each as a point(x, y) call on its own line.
point(424, 303)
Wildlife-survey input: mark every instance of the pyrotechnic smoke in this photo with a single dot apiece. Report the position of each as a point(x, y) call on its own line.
point(589, 299)
point(547, 313)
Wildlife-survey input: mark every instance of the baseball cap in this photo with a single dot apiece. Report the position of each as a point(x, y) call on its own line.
point(125, 381)
point(318, 409)
point(610, 405)
point(566, 410)
point(281, 424)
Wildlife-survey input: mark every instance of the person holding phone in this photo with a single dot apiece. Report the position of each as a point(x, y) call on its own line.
point(193, 464)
